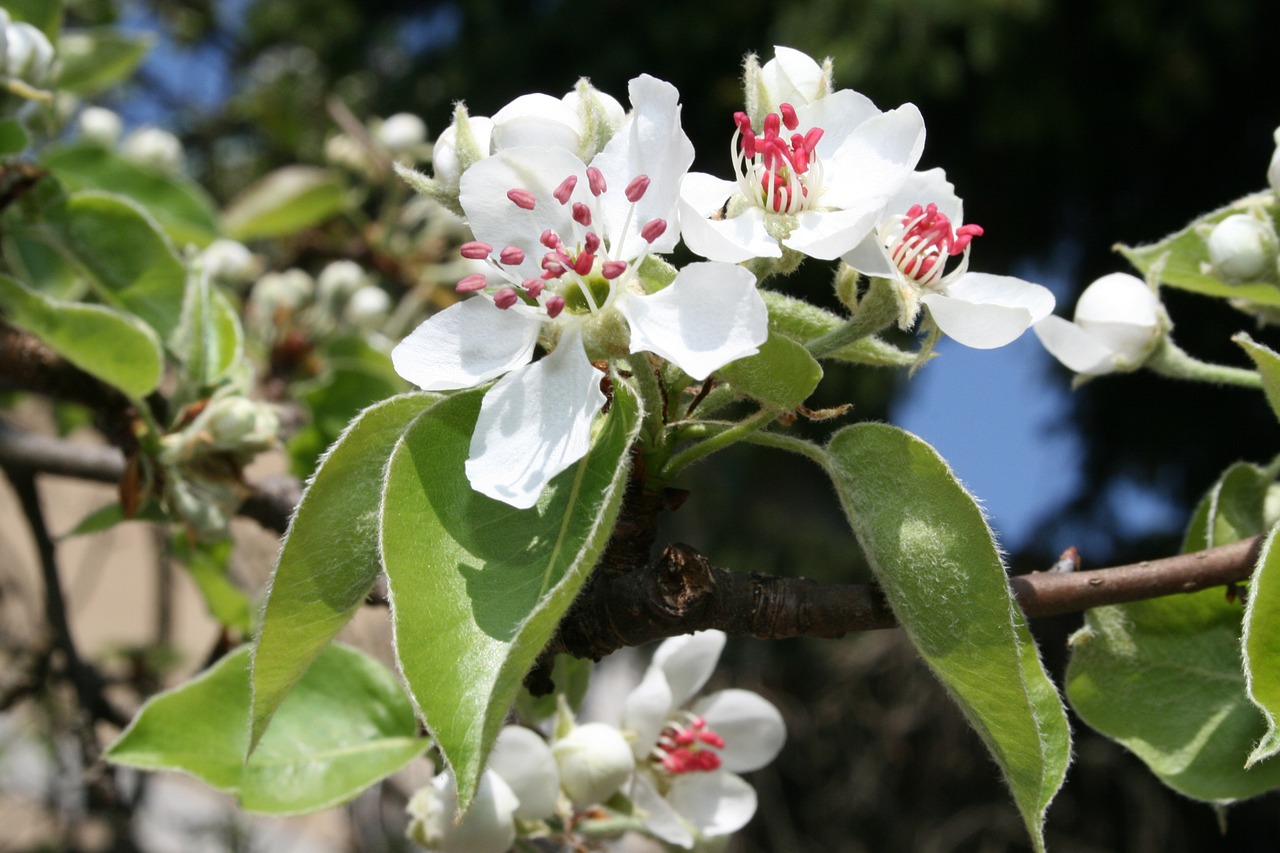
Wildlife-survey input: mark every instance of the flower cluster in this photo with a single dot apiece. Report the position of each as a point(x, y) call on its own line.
point(672, 770)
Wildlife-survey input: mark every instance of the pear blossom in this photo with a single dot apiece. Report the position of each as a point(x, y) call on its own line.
point(1119, 321)
point(791, 77)
point(564, 242)
point(814, 176)
point(1242, 248)
point(686, 785)
point(594, 760)
point(911, 246)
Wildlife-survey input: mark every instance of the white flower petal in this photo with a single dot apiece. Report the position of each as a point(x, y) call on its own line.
point(828, 234)
point(651, 143)
point(1118, 298)
point(486, 827)
point(537, 120)
point(839, 114)
point(738, 238)
point(875, 161)
point(658, 815)
point(646, 709)
point(751, 726)
point(465, 345)
point(928, 187)
point(524, 761)
point(985, 311)
point(688, 661)
point(715, 803)
point(1075, 347)
point(710, 315)
point(869, 257)
point(791, 77)
point(534, 423)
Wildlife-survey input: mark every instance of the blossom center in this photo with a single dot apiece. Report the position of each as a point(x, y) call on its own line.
point(778, 168)
point(580, 263)
point(688, 746)
point(920, 242)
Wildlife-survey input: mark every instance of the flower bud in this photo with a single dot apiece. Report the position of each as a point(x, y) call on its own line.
point(463, 144)
point(524, 761)
point(1242, 248)
point(238, 423)
point(229, 261)
point(337, 282)
point(154, 149)
point(367, 308)
point(100, 126)
point(276, 297)
point(594, 760)
point(28, 55)
point(401, 133)
point(488, 826)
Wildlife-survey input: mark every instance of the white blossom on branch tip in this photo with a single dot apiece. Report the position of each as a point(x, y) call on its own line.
point(1119, 321)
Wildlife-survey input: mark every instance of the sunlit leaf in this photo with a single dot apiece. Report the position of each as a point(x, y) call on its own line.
point(782, 375)
point(284, 202)
point(1261, 645)
point(96, 59)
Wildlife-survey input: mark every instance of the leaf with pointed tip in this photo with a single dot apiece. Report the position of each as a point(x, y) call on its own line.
point(1267, 361)
point(938, 565)
point(1233, 509)
point(346, 725)
point(478, 587)
point(107, 344)
point(284, 202)
point(1261, 645)
point(329, 558)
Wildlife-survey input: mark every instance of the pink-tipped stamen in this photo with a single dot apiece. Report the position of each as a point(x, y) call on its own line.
point(591, 242)
point(550, 239)
point(595, 181)
point(506, 297)
point(612, 269)
point(511, 256)
point(565, 190)
point(554, 305)
point(582, 265)
point(534, 287)
point(475, 250)
point(471, 284)
point(637, 188)
point(789, 119)
point(581, 214)
point(653, 229)
point(522, 199)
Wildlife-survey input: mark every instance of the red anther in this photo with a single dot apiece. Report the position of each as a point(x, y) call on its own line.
point(637, 188)
point(749, 146)
point(554, 306)
point(511, 255)
point(707, 761)
point(684, 737)
point(550, 239)
point(565, 189)
point(595, 180)
point(653, 229)
point(522, 199)
point(789, 119)
point(800, 159)
point(551, 269)
point(534, 287)
point(506, 297)
point(471, 283)
point(743, 121)
point(712, 739)
point(591, 242)
point(612, 269)
point(811, 138)
point(964, 236)
point(559, 258)
point(584, 262)
point(581, 214)
point(772, 124)
point(475, 250)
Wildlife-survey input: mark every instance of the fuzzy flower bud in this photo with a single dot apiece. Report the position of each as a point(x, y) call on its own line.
point(487, 827)
point(1242, 248)
point(337, 282)
point(594, 760)
point(153, 149)
point(401, 133)
point(100, 126)
point(28, 55)
point(367, 308)
point(229, 261)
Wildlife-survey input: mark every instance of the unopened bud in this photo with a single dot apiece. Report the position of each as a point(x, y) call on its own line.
point(154, 149)
point(100, 126)
point(367, 308)
point(28, 54)
point(1242, 248)
point(488, 826)
point(402, 133)
point(594, 760)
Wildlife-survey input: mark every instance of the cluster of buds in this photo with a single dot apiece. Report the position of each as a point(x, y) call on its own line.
point(399, 138)
point(341, 298)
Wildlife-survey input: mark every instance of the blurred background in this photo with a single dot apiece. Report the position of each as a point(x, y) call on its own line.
point(1066, 125)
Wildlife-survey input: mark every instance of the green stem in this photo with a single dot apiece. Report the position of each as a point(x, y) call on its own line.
point(1171, 360)
point(651, 396)
point(877, 309)
point(800, 446)
point(717, 441)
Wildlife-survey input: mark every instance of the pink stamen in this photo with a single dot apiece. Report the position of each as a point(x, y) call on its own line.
point(637, 188)
point(612, 269)
point(743, 121)
point(552, 268)
point(506, 297)
point(554, 306)
point(591, 242)
point(772, 124)
point(581, 214)
point(534, 287)
point(511, 256)
point(811, 138)
point(550, 239)
point(475, 250)
point(565, 189)
point(471, 283)
point(653, 229)
point(595, 180)
point(789, 119)
point(583, 264)
point(749, 145)
point(522, 199)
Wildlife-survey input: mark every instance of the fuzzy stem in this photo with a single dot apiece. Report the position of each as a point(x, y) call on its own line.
point(877, 309)
point(717, 441)
point(1172, 361)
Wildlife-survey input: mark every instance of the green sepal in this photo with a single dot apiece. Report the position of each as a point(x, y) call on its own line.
point(478, 587)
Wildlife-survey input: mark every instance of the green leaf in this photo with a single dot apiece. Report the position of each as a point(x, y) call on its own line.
point(782, 375)
point(35, 260)
point(1267, 361)
point(181, 207)
point(44, 15)
point(935, 558)
point(208, 339)
point(329, 558)
point(346, 725)
point(1261, 646)
point(1164, 678)
point(13, 137)
point(110, 515)
point(478, 587)
point(208, 564)
point(1233, 509)
point(107, 344)
point(97, 59)
point(284, 202)
point(801, 321)
point(123, 252)
point(1182, 253)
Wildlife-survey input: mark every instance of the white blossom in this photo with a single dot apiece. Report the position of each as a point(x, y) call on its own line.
point(1119, 321)
point(154, 149)
point(100, 126)
point(1242, 248)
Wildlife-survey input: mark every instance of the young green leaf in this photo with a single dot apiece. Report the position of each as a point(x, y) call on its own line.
point(935, 558)
point(1182, 253)
point(284, 202)
point(208, 339)
point(208, 564)
point(36, 261)
point(13, 137)
point(1164, 678)
point(97, 59)
point(1267, 361)
point(182, 207)
point(477, 587)
point(1261, 645)
point(329, 558)
point(782, 375)
point(1232, 509)
point(123, 251)
point(346, 725)
point(107, 344)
